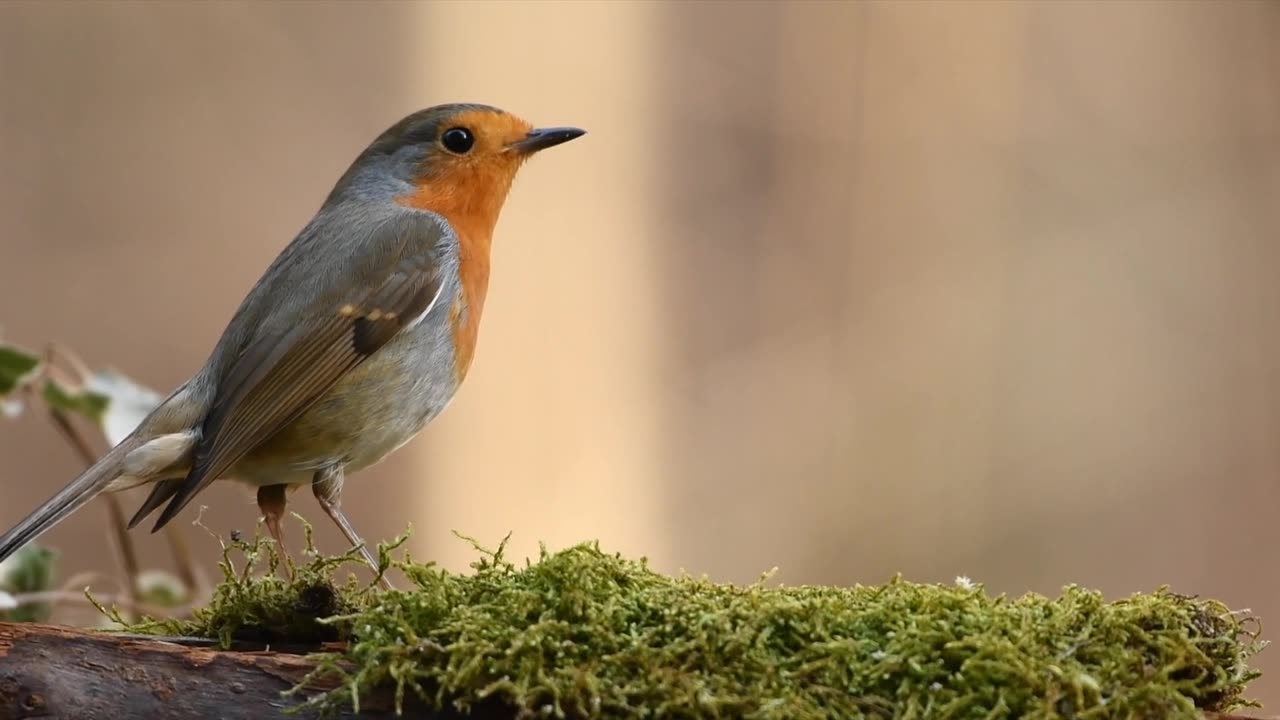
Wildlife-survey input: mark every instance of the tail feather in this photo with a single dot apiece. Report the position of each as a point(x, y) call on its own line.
point(160, 494)
point(70, 498)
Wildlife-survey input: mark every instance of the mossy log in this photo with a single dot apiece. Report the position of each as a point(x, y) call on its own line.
point(582, 634)
point(49, 671)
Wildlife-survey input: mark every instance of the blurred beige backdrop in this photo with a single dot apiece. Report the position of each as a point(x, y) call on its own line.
point(845, 288)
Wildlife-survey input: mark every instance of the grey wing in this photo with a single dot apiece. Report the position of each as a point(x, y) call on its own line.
point(399, 276)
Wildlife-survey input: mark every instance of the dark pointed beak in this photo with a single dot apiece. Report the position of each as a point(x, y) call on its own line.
point(543, 138)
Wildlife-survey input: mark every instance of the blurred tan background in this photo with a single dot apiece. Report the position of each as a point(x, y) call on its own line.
point(846, 288)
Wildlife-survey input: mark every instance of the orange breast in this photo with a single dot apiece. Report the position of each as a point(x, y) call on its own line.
point(473, 271)
point(472, 216)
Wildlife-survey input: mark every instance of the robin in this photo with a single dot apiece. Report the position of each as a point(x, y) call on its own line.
point(355, 337)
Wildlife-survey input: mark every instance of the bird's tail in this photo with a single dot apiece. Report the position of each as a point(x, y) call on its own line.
point(84, 488)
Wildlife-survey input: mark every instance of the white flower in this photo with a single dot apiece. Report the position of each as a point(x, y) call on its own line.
point(964, 583)
point(11, 408)
point(128, 406)
point(6, 601)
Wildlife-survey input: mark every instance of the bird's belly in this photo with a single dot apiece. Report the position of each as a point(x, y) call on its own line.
point(378, 407)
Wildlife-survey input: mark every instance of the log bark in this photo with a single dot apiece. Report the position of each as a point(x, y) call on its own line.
point(49, 671)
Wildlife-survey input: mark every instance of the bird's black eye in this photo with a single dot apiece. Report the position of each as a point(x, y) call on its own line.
point(457, 140)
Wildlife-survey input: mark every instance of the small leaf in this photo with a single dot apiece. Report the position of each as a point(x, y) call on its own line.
point(29, 570)
point(7, 566)
point(76, 400)
point(16, 365)
point(128, 403)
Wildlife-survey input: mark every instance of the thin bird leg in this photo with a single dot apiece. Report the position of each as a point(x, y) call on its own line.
point(272, 501)
point(327, 487)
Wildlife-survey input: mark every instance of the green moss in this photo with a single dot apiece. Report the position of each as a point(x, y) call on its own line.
point(584, 634)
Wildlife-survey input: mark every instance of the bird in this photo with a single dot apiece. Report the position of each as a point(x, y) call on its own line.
point(356, 336)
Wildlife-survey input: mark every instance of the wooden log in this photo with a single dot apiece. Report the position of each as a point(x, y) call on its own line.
point(49, 671)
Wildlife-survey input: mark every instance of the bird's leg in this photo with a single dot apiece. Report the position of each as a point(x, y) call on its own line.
point(272, 501)
point(327, 487)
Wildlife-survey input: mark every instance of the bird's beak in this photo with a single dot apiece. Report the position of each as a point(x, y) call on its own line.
point(543, 138)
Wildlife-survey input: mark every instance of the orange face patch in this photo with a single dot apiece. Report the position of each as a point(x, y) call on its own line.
point(469, 190)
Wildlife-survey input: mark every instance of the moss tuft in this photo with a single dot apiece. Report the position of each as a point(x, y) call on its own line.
point(586, 634)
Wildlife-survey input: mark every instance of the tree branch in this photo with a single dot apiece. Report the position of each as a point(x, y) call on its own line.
point(120, 534)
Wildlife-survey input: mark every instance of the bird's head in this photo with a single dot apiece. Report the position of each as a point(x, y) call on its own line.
point(454, 159)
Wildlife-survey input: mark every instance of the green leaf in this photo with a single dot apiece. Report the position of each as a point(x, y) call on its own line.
point(16, 365)
point(29, 570)
point(76, 400)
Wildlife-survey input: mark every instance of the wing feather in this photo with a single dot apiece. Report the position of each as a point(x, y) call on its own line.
point(278, 378)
